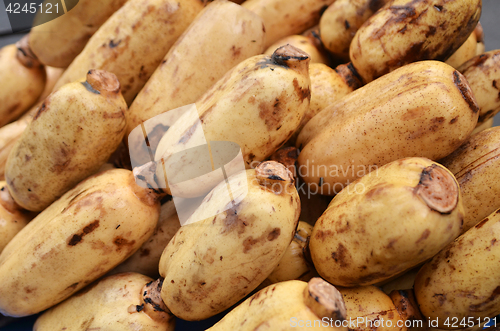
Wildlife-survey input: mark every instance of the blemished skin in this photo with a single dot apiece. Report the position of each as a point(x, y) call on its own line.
point(285, 18)
point(73, 134)
point(327, 86)
point(407, 307)
point(411, 206)
point(483, 126)
point(294, 263)
point(407, 31)
point(9, 134)
point(211, 264)
point(265, 97)
point(483, 74)
point(133, 41)
point(290, 305)
point(369, 305)
point(56, 43)
point(145, 261)
point(23, 80)
point(304, 43)
point(340, 22)
point(423, 109)
point(476, 165)
point(208, 49)
point(118, 302)
point(77, 239)
point(480, 39)
point(12, 217)
point(462, 280)
point(466, 52)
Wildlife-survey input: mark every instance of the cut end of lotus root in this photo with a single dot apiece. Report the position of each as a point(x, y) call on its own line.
point(290, 56)
point(438, 188)
point(274, 176)
point(325, 300)
point(103, 82)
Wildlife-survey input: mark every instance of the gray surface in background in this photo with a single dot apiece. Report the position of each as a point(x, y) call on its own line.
point(490, 19)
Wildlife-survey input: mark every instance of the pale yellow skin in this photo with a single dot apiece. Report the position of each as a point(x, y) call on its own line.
point(53, 75)
point(378, 227)
point(212, 264)
point(133, 41)
point(483, 74)
point(145, 261)
point(73, 134)
point(293, 264)
point(466, 52)
point(9, 134)
point(209, 48)
point(284, 18)
point(56, 43)
point(273, 309)
point(407, 31)
point(483, 126)
point(327, 86)
point(403, 282)
point(476, 165)
point(21, 85)
point(423, 109)
point(368, 304)
point(12, 217)
point(340, 22)
point(462, 280)
point(79, 238)
point(105, 306)
point(263, 99)
point(305, 44)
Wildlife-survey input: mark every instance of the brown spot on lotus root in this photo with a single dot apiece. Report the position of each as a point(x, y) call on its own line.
point(77, 238)
point(341, 256)
point(438, 189)
point(424, 236)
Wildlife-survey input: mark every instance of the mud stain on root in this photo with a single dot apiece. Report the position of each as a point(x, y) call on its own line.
point(78, 237)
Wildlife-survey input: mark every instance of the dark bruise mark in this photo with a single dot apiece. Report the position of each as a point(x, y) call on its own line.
point(27, 158)
point(424, 236)
point(341, 256)
point(269, 235)
point(322, 235)
point(347, 25)
point(403, 29)
point(122, 242)
point(427, 282)
point(465, 90)
point(272, 115)
point(477, 61)
point(232, 222)
point(77, 238)
point(494, 84)
point(144, 252)
point(236, 51)
point(41, 109)
point(454, 120)
point(432, 31)
point(275, 233)
point(440, 297)
point(301, 92)
point(113, 44)
point(189, 133)
point(485, 305)
point(139, 308)
point(480, 224)
point(370, 278)
point(375, 5)
point(90, 88)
